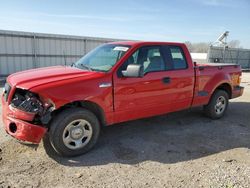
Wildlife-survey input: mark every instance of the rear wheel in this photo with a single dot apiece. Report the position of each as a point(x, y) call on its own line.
point(217, 105)
point(74, 132)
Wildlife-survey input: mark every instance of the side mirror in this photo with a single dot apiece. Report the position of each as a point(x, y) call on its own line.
point(133, 70)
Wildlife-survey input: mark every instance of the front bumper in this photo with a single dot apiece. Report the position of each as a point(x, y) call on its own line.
point(16, 125)
point(237, 91)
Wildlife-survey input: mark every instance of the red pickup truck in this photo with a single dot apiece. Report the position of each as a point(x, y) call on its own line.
point(114, 83)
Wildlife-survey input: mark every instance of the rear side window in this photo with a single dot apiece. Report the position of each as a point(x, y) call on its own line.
point(178, 58)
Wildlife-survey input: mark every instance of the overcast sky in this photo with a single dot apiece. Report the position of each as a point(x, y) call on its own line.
point(165, 20)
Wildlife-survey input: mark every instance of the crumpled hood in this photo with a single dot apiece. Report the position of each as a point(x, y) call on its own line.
point(35, 77)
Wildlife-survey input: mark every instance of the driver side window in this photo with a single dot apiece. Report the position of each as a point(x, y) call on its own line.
point(150, 57)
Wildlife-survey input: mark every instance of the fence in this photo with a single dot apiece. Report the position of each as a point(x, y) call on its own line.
point(229, 55)
point(25, 50)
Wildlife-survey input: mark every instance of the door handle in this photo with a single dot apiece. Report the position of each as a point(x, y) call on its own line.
point(166, 80)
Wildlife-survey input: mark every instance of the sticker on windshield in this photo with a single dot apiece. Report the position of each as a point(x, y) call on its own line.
point(121, 48)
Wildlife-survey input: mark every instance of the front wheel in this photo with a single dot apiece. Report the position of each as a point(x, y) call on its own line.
point(74, 132)
point(217, 105)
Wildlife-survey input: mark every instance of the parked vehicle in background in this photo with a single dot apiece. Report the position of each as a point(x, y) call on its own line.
point(114, 83)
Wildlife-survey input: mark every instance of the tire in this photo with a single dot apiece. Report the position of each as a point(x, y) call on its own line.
point(217, 106)
point(74, 132)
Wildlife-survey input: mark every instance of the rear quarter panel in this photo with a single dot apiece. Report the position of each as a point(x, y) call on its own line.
point(209, 78)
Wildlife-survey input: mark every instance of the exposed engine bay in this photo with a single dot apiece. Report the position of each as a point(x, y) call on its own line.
point(29, 102)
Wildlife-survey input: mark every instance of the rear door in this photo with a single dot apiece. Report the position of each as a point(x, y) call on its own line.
point(181, 74)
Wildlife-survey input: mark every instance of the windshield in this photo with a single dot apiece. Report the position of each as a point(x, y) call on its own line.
point(102, 58)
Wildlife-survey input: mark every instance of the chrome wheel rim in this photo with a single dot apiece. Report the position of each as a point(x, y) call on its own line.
point(220, 105)
point(77, 134)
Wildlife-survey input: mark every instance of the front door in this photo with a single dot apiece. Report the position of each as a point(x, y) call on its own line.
point(142, 97)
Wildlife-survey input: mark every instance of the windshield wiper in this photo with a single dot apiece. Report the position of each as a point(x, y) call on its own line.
point(86, 67)
point(82, 65)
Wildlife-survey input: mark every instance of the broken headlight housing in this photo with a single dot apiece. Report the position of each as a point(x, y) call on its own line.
point(27, 101)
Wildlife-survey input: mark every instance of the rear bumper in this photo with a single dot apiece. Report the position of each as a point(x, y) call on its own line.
point(237, 91)
point(16, 125)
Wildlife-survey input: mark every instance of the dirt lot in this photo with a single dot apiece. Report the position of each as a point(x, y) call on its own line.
point(182, 149)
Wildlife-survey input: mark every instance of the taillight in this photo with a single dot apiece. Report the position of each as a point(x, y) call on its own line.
point(236, 79)
point(239, 80)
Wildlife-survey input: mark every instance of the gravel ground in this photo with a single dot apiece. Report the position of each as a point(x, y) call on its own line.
point(183, 149)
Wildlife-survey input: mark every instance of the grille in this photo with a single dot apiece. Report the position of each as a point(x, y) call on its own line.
point(6, 91)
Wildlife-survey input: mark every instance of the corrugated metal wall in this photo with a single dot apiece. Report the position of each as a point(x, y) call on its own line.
point(230, 55)
point(24, 50)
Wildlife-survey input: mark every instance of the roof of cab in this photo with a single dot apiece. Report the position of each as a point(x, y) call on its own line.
point(135, 43)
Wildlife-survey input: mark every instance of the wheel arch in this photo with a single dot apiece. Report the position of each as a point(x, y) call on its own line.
point(225, 87)
point(89, 105)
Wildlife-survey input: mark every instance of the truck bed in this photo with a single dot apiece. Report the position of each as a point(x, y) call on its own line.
point(207, 76)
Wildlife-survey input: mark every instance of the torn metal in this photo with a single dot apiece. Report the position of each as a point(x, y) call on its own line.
point(34, 110)
point(27, 101)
